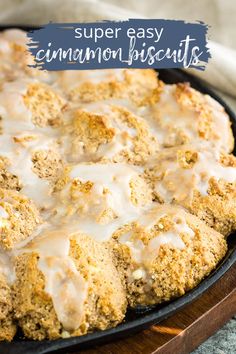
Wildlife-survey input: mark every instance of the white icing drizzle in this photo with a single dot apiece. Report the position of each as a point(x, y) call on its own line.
point(63, 282)
point(3, 213)
point(171, 122)
point(110, 191)
point(4, 46)
point(14, 35)
point(106, 108)
point(221, 123)
point(17, 124)
point(67, 288)
point(124, 135)
point(13, 43)
point(143, 254)
point(71, 79)
point(179, 183)
point(167, 118)
point(22, 165)
point(111, 182)
point(6, 266)
point(12, 107)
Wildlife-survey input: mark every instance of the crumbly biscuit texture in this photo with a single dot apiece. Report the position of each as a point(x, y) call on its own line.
point(91, 295)
point(7, 179)
point(7, 323)
point(114, 134)
point(200, 179)
point(116, 190)
point(166, 235)
point(47, 164)
point(137, 85)
point(45, 104)
point(182, 115)
point(19, 218)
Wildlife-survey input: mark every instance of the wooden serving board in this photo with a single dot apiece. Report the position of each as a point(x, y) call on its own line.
point(187, 329)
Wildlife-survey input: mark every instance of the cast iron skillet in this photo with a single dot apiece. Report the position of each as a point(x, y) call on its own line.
point(139, 319)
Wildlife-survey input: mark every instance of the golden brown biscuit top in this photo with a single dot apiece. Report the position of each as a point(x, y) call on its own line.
point(86, 153)
point(179, 172)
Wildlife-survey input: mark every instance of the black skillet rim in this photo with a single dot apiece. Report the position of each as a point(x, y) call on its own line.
point(143, 319)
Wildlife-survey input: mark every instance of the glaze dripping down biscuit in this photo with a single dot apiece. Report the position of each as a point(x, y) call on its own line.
point(116, 190)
